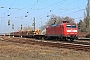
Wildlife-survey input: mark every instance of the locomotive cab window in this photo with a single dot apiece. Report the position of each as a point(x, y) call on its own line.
point(71, 26)
point(68, 26)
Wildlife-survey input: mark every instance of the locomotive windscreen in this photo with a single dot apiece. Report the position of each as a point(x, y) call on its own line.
point(71, 26)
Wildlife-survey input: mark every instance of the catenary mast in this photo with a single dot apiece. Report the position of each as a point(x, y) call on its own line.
point(88, 17)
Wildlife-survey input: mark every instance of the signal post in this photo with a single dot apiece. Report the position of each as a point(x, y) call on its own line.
point(21, 31)
point(8, 27)
point(13, 29)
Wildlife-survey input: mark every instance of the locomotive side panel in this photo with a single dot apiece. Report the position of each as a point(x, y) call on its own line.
point(59, 30)
point(48, 30)
point(51, 31)
point(55, 31)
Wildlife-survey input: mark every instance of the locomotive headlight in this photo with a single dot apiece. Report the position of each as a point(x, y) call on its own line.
point(71, 30)
point(74, 30)
point(68, 30)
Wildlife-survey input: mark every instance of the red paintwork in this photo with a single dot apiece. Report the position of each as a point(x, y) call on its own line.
point(62, 30)
point(54, 30)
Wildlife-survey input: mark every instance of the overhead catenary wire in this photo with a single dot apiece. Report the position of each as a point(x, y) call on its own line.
point(61, 2)
point(41, 8)
point(13, 3)
point(21, 8)
point(9, 8)
point(47, 6)
point(75, 12)
point(28, 7)
point(63, 9)
point(53, 8)
point(2, 21)
point(72, 8)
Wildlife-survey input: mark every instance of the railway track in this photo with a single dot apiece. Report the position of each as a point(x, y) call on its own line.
point(82, 46)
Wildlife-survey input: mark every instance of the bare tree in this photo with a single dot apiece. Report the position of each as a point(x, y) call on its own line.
point(27, 28)
point(82, 25)
point(56, 20)
point(71, 20)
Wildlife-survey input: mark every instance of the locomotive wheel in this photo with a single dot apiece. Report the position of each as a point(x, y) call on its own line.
point(71, 39)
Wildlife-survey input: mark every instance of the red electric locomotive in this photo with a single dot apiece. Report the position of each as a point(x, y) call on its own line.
point(64, 31)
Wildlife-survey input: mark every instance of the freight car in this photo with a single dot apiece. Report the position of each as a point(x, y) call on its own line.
point(28, 33)
point(65, 31)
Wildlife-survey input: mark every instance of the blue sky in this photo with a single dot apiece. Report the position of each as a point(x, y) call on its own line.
point(18, 9)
